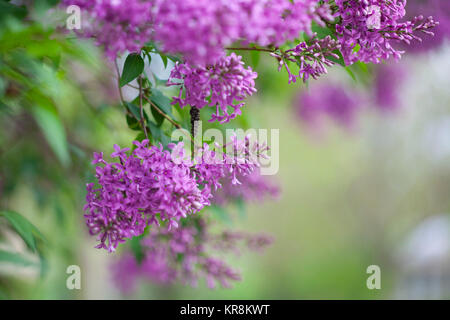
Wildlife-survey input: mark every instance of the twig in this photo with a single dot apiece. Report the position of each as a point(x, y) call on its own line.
point(167, 117)
point(162, 113)
point(141, 108)
point(124, 102)
point(249, 49)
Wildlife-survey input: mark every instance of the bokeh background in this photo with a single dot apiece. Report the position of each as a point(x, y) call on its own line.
point(370, 191)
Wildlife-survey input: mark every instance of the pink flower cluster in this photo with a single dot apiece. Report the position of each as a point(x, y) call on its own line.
point(221, 85)
point(367, 29)
point(152, 185)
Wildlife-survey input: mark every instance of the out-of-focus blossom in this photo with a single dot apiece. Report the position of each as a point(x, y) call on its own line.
point(197, 29)
point(184, 254)
point(387, 84)
point(328, 100)
point(118, 26)
point(273, 22)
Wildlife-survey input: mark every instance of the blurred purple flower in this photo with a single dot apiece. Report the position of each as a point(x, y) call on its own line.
point(388, 80)
point(338, 103)
point(118, 26)
point(184, 254)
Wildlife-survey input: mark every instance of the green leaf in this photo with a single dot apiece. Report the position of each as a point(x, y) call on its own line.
point(163, 103)
point(339, 61)
point(136, 248)
point(362, 67)
point(53, 129)
point(133, 123)
point(157, 134)
point(134, 120)
point(133, 67)
point(350, 72)
point(164, 59)
point(356, 48)
point(15, 258)
point(134, 109)
point(27, 231)
point(322, 32)
point(13, 10)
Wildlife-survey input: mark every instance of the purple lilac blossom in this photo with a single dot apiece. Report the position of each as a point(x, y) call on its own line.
point(135, 189)
point(220, 86)
point(334, 101)
point(184, 254)
point(118, 25)
point(368, 29)
point(152, 185)
point(312, 57)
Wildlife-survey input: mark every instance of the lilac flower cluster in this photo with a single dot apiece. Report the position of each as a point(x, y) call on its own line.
point(152, 183)
point(367, 29)
point(184, 254)
point(440, 9)
point(135, 190)
point(330, 100)
point(118, 25)
point(312, 57)
point(218, 85)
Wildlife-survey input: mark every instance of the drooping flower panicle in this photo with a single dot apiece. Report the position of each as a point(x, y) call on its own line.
point(152, 185)
point(222, 86)
point(312, 57)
